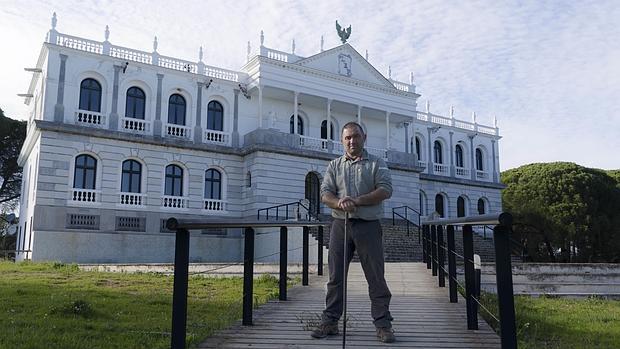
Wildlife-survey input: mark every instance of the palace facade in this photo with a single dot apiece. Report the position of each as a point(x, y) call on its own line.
point(120, 139)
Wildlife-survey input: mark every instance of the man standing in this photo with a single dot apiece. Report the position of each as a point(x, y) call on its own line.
point(356, 183)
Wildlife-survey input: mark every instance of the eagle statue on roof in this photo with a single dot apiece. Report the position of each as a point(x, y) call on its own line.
point(343, 33)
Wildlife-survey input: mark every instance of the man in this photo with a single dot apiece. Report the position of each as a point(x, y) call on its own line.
point(357, 183)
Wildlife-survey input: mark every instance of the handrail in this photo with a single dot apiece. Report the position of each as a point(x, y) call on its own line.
point(181, 263)
point(406, 218)
point(434, 252)
point(299, 204)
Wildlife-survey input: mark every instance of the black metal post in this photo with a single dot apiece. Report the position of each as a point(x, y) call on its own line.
point(428, 248)
point(424, 257)
point(440, 257)
point(434, 249)
point(304, 271)
point(393, 220)
point(505, 296)
point(179, 293)
point(283, 262)
point(320, 251)
point(451, 265)
point(468, 253)
point(248, 276)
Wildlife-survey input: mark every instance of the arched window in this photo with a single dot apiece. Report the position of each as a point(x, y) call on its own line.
point(324, 130)
point(248, 179)
point(215, 116)
point(176, 110)
point(479, 163)
point(300, 125)
point(481, 206)
point(85, 172)
point(313, 193)
point(439, 205)
point(418, 149)
point(90, 95)
point(174, 181)
point(131, 177)
point(460, 207)
point(213, 184)
point(134, 106)
point(422, 203)
point(438, 159)
point(459, 156)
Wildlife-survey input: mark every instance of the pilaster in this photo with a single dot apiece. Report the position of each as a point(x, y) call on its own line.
point(157, 123)
point(452, 171)
point(59, 108)
point(113, 122)
point(198, 127)
point(235, 131)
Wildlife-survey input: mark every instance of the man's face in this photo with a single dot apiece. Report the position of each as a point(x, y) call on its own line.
point(353, 141)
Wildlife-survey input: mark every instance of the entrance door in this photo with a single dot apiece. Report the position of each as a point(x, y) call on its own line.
point(313, 193)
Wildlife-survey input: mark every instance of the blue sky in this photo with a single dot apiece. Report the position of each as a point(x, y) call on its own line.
point(549, 70)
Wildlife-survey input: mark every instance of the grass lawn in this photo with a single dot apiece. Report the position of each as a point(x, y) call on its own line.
point(47, 305)
point(547, 322)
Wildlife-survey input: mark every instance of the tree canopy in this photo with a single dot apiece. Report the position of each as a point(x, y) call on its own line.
point(565, 207)
point(12, 136)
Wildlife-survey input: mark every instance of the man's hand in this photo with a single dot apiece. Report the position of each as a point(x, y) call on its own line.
point(347, 204)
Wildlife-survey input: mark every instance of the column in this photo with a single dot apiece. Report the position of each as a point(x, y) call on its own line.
point(429, 163)
point(359, 115)
point(198, 127)
point(406, 127)
point(113, 122)
point(329, 119)
point(387, 130)
point(260, 107)
point(451, 155)
point(59, 108)
point(495, 165)
point(235, 132)
point(295, 112)
point(157, 123)
point(472, 157)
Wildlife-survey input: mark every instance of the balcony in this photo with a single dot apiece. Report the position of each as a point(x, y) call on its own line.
point(441, 169)
point(85, 196)
point(216, 137)
point(212, 205)
point(483, 175)
point(178, 131)
point(132, 200)
point(421, 163)
point(462, 172)
point(90, 118)
point(174, 202)
point(312, 143)
point(136, 126)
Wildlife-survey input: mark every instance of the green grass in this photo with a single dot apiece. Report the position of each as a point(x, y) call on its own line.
point(51, 305)
point(547, 322)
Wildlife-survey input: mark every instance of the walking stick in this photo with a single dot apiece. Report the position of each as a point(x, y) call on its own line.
point(344, 283)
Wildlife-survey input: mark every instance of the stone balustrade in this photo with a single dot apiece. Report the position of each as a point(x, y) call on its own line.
point(90, 118)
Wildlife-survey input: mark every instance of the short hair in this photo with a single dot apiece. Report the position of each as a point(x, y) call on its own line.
point(352, 124)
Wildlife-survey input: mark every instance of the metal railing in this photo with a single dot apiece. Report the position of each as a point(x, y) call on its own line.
point(434, 247)
point(285, 207)
point(407, 218)
point(181, 263)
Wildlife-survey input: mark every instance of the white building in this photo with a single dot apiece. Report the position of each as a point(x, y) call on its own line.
point(120, 139)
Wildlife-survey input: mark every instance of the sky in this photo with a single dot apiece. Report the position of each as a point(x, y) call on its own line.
point(548, 70)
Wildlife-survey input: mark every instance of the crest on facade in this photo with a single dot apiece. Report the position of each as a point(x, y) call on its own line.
point(343, 33)
point(344, 64)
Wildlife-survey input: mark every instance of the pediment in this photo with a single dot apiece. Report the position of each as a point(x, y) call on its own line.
point(346, 61)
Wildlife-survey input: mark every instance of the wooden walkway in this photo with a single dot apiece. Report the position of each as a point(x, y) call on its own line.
point(423, 316)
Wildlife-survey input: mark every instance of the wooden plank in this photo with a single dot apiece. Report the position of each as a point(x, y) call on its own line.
point(423, 316)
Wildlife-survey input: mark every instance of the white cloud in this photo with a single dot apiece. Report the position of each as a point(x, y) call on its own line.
point(549, 71)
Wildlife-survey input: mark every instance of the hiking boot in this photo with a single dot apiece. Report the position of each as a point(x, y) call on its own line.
point(323, 330)
point(386, 334)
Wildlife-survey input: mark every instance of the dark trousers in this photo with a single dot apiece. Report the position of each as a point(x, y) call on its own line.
point(366, 238)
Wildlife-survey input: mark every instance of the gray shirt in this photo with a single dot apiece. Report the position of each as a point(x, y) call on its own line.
point(346, 177)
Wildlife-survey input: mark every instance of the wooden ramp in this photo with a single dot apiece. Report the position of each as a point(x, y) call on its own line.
point(423, 316)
